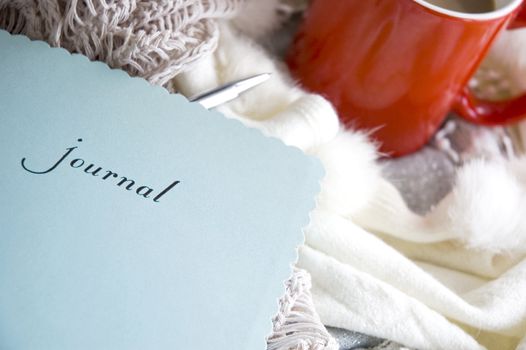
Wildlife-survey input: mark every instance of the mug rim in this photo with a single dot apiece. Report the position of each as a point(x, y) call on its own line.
point(501, 12)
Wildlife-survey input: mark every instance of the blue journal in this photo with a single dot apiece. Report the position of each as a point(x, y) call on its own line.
point(133, 219)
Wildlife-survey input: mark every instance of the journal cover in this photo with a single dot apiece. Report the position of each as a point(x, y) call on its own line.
point(133, 219)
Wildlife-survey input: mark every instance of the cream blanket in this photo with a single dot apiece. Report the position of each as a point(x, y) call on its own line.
point(455, 279)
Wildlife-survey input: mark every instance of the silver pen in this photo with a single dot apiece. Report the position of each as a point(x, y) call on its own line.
point(222, 94)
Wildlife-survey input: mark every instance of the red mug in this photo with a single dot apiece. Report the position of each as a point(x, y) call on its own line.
point(397, 67)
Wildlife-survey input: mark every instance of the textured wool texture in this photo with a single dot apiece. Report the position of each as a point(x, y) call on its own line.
point(152, 39)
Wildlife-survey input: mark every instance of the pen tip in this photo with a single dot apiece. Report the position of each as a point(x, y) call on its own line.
point(255, 80)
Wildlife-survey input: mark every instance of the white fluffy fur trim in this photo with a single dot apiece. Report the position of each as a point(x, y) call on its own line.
point(488, 207)
point(352, 175)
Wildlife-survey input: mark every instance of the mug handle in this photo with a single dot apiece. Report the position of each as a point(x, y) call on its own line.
point(520, 19)
point(486, 112)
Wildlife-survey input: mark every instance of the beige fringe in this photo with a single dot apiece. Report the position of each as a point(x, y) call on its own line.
point(297, 325)
point(152, 39)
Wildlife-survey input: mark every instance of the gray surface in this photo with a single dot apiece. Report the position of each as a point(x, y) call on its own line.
point(423, 178)
point(353, 340)
point(349, 340)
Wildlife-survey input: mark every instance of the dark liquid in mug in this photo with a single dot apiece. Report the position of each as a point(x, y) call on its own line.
point(467, 6)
